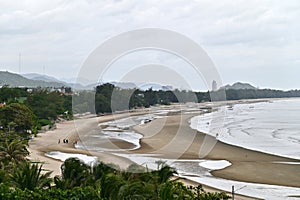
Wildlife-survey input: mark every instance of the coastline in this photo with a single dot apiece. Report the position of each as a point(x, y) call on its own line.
point(49, 141)
point(247, 165)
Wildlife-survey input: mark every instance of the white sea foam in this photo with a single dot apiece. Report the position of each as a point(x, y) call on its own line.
point(267, 127)
point(268, 192)
point(89, 160)
point(119, 129)
point(214, 164)
point(126, 123)
point(199, 171)
point(98, 139)
point(128, 136)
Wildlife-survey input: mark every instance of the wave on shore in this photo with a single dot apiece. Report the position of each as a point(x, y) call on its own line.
point(269, 127)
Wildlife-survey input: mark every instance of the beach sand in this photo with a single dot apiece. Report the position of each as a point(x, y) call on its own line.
point(52, 140)
point(171, 137)
point(180, 141)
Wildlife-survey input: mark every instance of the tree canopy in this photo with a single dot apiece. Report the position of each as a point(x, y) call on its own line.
point(16, 117)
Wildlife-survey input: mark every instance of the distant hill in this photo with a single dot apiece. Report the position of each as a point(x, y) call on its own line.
point(141, 86)
point(154, 86)
point(124, 85)
point(239, 86)
point(16, 80)
point(38, 80)
point(39, 77)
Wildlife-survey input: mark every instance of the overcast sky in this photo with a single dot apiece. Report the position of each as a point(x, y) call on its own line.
point(249, 41)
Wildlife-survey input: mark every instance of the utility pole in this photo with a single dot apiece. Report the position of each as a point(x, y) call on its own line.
point(19, 63)
point(233, 191)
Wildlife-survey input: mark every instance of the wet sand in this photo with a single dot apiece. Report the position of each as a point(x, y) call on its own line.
point(176, 139)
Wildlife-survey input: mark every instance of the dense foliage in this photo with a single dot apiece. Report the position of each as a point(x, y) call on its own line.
point(49, 105)
point(106, 98)
point(16, 117)
point(109, 98)
point(10, 94)
point(23, 110)
point(79, 181)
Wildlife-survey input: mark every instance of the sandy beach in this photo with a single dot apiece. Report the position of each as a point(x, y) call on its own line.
point(247, 165)
point(170, 137)
point(52, 140)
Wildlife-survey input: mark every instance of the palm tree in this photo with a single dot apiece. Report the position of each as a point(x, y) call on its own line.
point(2, 176)
point(13, 151)
point(74, 173)
point(110, 185)
point(175, 190)
point(30, 176)
point(164, 173)
point(137, 190)
point(153, 185)
point(101, 169)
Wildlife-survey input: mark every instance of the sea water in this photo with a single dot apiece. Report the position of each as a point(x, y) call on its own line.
point(272, 127)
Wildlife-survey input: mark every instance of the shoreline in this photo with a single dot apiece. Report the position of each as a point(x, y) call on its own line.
point(49, 141)
point(247, 165)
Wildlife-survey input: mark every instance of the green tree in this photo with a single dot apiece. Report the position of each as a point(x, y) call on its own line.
point(47, 105)
point(8, 94)
point(74, 173)
point(2, 176)
point(164, 172)
point(19, 115)
point(13, 151)
point(101, 169)
point(103, 98)
point(79, 193)
point(30, 176)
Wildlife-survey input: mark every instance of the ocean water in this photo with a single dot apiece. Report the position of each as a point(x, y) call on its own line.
point(272, 127)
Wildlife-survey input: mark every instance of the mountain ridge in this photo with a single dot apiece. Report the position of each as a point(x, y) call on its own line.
point(17, 80)
point(40, 77)
point(39, 80)
point(239, 86)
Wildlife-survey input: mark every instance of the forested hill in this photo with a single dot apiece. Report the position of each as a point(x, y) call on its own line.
point(239, 86)
point(232, 94)
point(16, 80)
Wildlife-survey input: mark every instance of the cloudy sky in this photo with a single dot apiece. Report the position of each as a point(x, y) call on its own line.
point(249, 41)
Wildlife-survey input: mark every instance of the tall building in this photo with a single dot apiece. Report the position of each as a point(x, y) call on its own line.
point(214, 86)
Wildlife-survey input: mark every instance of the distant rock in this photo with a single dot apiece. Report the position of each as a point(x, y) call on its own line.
point(239, 86)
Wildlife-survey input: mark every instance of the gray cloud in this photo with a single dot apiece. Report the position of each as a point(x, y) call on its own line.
point(254, 41)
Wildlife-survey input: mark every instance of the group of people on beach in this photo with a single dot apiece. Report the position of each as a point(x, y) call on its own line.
point(66, 141)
